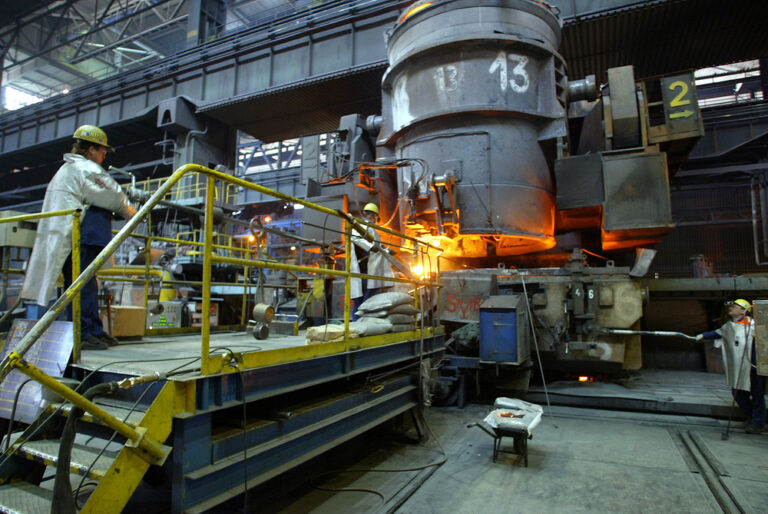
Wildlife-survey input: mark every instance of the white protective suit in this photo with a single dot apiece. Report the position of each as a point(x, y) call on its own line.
point(78, 184)
point(377, 264)
point(737, 364)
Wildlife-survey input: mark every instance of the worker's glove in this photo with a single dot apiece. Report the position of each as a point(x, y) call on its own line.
point(700, 337)
point(136, 195)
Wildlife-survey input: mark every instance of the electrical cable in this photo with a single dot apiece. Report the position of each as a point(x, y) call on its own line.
point(377, 378)
point(63, 500)
point(438, 463)
point(135, 404)
point(10, 311)
point(76, 493)
point(536, 345)
point(13, 414)
point(58, 409)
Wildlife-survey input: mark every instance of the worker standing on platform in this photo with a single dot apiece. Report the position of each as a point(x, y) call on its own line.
point(80, 183)
point(367, 259)
point(736, 338)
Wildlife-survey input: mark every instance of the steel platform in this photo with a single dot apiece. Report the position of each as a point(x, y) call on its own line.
point(268, 406)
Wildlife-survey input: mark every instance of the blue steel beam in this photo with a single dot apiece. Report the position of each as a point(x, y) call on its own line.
point(223, 391)
point(210, 469)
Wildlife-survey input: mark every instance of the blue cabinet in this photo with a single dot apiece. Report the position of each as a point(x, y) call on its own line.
point(504, 330)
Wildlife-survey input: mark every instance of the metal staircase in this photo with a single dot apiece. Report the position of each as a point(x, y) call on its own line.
point(98, 454)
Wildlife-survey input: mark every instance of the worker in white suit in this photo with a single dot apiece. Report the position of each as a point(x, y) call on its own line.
point(736, 339)
point(80, 183)
point(367, 259)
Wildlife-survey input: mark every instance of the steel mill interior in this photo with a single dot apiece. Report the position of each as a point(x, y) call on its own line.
point(337, 256)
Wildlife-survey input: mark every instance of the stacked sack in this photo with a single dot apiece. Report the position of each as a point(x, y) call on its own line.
point(328, 334)
point(395, 309)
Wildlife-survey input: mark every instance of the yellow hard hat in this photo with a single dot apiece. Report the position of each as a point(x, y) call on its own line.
point(372, 207)
point(744, 304)
point(92, 134)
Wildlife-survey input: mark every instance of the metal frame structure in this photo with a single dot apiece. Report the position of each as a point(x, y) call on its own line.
point(76, 214)
point(187, 406)
point(113, 36)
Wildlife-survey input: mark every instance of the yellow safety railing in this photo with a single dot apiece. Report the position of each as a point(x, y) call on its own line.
point(191, 187)
point(76, 214)
point(154, 451)
point(147, 276)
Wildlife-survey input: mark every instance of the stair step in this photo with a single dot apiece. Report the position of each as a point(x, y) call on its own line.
point(47, 452)
point(25, 498)
point(122, 413)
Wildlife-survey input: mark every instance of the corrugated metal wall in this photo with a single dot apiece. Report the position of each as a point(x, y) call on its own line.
point(715, 222)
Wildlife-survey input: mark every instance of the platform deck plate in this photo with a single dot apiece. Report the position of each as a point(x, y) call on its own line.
point(139, 357)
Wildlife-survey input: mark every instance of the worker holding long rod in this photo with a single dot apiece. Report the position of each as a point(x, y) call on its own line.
point(736, 339)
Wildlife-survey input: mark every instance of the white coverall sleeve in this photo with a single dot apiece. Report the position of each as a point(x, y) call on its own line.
point(103, 191)
point(360, 241)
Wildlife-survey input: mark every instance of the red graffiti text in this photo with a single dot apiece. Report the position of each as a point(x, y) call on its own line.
point(454, 304)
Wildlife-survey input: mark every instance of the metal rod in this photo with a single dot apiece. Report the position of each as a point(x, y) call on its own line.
point(119, 278)
point(347, 285)
point(308, 269)
point(76, 311)
point(147, 260)
point(292, 199)
point(199, 212)
point(660, 333)
point(39, 215)
point(149, 446)
point(207, 255)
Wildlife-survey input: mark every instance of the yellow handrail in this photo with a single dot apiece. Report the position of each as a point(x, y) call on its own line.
point(14, 360)
point(76, 214)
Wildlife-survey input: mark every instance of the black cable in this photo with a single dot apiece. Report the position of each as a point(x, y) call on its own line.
point(10, 311)
point(63, 501)
point(135, 404)
point(13, 414)
point(109, 441)
point(438, 463)
point(42, 424)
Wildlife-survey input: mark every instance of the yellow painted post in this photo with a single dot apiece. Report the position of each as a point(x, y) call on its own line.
point(347, 284)
point(207, 254)
point(436, 288)
point(154, 450)
point(76, 319)
point(147, 272)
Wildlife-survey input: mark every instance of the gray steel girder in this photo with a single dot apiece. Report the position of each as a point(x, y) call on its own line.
point(327, 41)
point(323, 42)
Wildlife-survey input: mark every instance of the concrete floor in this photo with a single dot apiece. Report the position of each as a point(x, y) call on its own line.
point(580, 460)
point(676, 391)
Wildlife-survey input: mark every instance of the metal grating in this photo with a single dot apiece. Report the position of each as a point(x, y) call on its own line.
point(50, 353)
point(664, 37)
point(22, 497)
point(83, 457)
